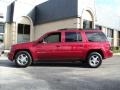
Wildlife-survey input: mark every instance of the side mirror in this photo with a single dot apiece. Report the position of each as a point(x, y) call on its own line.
point(42, 41)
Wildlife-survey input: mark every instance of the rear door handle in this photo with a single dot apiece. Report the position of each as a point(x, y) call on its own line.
point(81, 45)
point(57, 45)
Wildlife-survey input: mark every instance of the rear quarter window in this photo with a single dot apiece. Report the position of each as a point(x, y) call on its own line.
point(96, 36)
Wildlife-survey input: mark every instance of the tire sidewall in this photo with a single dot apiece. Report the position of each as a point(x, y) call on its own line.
point(29, 59)
point(92, 54)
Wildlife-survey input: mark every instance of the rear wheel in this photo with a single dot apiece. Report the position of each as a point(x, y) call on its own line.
point(94, 60)
point(23, 59)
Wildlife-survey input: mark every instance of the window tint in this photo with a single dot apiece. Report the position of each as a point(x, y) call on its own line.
point(72, 37)
point(96, 36)
point(53, 37)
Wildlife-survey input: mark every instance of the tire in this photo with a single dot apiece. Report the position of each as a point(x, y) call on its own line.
point(23, 59)
point(94, 60)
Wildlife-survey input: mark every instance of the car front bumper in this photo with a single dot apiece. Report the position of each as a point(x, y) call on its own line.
point(10, 56)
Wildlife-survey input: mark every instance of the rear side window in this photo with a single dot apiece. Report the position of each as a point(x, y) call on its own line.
point(72, 37)
point(96, 36)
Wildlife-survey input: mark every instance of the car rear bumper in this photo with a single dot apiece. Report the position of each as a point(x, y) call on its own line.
point(109, 54)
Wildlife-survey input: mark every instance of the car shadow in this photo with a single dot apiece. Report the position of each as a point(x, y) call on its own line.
point(7, 63)
point(60, 64)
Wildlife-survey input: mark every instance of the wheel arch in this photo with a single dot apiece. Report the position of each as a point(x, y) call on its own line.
point(23, 50)
point(95, 50)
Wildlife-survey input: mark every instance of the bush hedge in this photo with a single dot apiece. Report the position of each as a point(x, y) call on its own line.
point(116, 49)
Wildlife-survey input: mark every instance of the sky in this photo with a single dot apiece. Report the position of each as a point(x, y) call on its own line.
point(109, 5)
point(114, 3)
point(107, 11)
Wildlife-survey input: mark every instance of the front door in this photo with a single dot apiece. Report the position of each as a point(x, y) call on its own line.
point(49, 47)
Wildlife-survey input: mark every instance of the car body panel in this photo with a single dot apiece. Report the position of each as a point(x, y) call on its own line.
point(61, 50)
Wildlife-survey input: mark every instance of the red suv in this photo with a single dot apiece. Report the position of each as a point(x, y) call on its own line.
point(90, 46)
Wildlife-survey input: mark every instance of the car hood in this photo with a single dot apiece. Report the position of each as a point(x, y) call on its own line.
point(23, 45)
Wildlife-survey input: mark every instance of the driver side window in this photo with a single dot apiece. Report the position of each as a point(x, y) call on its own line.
point(53, 38)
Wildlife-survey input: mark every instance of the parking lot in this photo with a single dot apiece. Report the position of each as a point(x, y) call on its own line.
point(60, 76)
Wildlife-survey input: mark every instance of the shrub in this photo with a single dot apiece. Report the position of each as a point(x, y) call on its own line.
point(115, 49)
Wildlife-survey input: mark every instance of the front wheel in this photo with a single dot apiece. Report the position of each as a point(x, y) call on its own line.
point(23, 59)
point(94, 60)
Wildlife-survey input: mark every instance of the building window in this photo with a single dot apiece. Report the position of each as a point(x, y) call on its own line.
point(98, 27)
point(23, 33)
point(110, 35)
point(87, 24)
point(118, 38)
point(1, 15)
point(1, 28)
point(2, 39)
point(119, 34)
point(23, 29)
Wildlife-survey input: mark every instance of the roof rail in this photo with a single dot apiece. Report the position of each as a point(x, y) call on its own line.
point(75, 29)
point(70, 29)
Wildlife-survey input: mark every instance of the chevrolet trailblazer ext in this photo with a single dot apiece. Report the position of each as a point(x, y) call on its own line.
point(90, 46)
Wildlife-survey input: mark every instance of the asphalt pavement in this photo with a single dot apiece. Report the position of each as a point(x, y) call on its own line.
point(60, 76)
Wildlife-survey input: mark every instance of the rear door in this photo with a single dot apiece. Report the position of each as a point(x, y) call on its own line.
point(73, 46)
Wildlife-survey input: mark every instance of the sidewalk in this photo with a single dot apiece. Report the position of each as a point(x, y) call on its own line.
point(116, 53)
point(3, 57)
